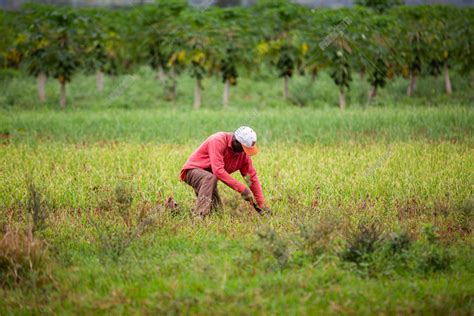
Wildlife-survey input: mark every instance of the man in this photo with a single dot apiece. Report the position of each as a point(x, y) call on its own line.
point(219, 156)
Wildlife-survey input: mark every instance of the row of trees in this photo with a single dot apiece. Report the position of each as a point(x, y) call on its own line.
point(379, 43)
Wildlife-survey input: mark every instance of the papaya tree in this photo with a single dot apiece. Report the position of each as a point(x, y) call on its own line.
point(231, 46)
point(463, 52)
point(337, 50)
point(36, 53)
point(375, 49)
point(162, 28)
point(359, 29)
point(411, 41)
point(53, 46)
point(154, 28)
point(94, 46)
point(444, 36)
point(278, 22)
point(32, 44)
point(315, 41)
point(64, 56)
point(109, 48)
point(13, 34)
point(197, 43)
point(330, 46)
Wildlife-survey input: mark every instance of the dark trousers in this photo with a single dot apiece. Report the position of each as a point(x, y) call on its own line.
point(204, 184)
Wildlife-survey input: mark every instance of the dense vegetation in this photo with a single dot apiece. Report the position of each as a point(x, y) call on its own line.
point(379, 43)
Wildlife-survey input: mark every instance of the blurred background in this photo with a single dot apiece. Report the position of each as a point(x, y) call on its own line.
point(246, 54)
point(16, 4)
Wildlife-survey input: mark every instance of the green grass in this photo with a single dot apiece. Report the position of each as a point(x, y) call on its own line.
point(218, 265)
point(286, 125)
point(397, 177)
point(290, 174)
point(142, 91)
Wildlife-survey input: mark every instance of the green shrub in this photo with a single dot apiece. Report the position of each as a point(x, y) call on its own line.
point(431, 255)
point(399, 242)
point(361, 243)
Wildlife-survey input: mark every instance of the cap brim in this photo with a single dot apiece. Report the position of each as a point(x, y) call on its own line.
point(251, 151)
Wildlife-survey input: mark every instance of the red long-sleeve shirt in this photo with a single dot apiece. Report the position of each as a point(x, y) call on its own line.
point(217, 156)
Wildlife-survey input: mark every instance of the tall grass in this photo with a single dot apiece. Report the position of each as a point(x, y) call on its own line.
point(393, 182)
point(273, 126)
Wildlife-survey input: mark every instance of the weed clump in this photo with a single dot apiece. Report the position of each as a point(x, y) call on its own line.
point(375, 254)
point(432, 256)
point(23, 259)
point(37, 208)
point(361, 243)
point(467, 215)
point(124, 200)
point(399, 242)
point(115, 233)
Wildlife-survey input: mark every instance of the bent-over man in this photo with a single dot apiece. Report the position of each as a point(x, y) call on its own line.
point(215, 159)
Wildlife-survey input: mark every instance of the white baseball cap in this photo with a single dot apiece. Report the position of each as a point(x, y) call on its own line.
point(247, 137)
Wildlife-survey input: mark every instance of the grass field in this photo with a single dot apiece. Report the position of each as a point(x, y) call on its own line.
point(372, 207)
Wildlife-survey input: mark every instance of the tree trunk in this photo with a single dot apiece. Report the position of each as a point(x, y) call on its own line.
point(99, 80)
point(362, 74)
point(161, 75)
point(41, 80)
point(447, 80)
point(172, 85)
point(197, 94)
point(342, 99)
point(314, 74)
point(372, 93)
point(285, 87)
point(226, 93)
point(62, 97)
point(412, 85)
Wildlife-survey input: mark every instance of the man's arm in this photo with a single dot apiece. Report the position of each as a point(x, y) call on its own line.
point(216, 154)
point(250, 174)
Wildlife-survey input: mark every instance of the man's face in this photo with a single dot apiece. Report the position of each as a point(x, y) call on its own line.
point(236, 146)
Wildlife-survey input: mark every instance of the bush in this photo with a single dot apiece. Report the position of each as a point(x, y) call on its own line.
point(433, 258)
point(399, 242)
point(361, 243)
point(399, 254)
point(394, 255)
point(466, 215)
point(431, 255)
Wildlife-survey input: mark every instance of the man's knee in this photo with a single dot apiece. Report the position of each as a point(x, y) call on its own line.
point(211, 180)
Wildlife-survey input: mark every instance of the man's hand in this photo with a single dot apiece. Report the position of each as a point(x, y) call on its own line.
point(247, 195)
